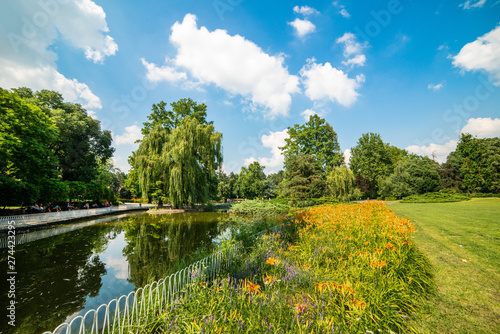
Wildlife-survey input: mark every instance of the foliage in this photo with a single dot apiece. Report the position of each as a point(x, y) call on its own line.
point(304, 178)
point(372, 159)
point(251, 181)
point(316, 138)
point(437, 197)
point(341, 183)
point(260, 208)
point(349, 268)
point(272, 184)
point(479, 164)
point(412, 175)
point(179, 154)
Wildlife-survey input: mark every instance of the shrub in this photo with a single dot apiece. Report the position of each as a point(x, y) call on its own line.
point(436, 198)
point(260, 208)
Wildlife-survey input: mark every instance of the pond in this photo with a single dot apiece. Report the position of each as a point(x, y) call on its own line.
point(65, 271)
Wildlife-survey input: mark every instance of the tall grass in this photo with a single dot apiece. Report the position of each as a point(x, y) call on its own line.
point(349, 268)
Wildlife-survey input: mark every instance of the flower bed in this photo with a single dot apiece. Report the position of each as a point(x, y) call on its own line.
point(349, 268)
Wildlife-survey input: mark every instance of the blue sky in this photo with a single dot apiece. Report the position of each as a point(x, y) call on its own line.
point(417, 72)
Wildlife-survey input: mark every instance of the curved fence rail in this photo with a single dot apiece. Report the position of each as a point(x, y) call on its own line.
point(126, 313)
point(22, 238)
point(37, 218)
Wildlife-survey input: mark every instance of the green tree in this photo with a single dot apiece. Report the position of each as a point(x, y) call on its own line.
point(27, 136)
point(317, 138)
point(304, 178)
point(273, 183)
point(251, 180)
point(479, 163)
point(413, 175)
point(179, 154)
point(341, 183)
point(372, 159)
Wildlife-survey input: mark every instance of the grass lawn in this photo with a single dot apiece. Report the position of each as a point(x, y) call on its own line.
point(462, 242)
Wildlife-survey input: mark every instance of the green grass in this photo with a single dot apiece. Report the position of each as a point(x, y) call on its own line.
point(462, 242)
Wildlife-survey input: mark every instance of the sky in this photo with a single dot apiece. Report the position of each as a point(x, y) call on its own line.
point(419, 73)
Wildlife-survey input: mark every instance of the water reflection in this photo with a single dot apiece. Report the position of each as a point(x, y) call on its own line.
point(58, 277)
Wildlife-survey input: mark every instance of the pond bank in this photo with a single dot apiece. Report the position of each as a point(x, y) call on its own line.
point(26, 223)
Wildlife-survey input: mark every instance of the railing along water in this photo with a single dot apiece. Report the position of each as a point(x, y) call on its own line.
point(37, 218)
point(127, 312)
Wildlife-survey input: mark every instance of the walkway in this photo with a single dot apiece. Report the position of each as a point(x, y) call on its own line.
point(23, 222)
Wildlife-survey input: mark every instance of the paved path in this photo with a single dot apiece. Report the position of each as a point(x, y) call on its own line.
point(23, 222)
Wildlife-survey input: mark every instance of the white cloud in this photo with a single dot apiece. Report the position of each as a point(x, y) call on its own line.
point(443, 47)
point(482, 54)
point(29, 30)
point(347, 156)
point(358, 60)
point(308, 113)
point(352, 50)
point(327, 82)
point(468, 5)
point(439, 152)
point(482, 127)
point(132, 133)
point(436, 87)
point(344, 13)
point(305, 10)
point(13, 75)
point(119, 265)
point(273, 141)
point(235, 64)
point(302, 27)
point(249, 161)
point(162, 73)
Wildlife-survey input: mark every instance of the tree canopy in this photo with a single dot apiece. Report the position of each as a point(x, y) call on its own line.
point(317, 138)
point(179, 154)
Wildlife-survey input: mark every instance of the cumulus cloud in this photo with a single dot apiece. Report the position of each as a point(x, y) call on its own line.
point(308, 113)
point(120, 266)
point(130, 136)
point(469, 5)
point(436, 87)
point(273, 141)
point(305, 10)
point(345, 13)
point(347, 156)
point(302, 27)
point(162, 73)
point(352, 50)
point(482, 54)
point(29, 30)
point(482, 127)
point(322, 81)
point(232, 63)
point(439, 152)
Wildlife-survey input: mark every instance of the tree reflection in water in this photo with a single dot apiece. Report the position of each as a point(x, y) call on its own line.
point(57, 275)
point(155, 250)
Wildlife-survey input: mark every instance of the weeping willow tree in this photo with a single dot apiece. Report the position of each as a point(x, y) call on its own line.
point(191, 155)
point(341, 183)
point(179, 154)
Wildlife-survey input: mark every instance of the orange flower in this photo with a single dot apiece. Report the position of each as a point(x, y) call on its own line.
point(366, 243)
point(301, 308)
point(272, 261)
point(389, 245)
point(269, 279)
point(378, 250)
point(250, 287)
point(320, 285)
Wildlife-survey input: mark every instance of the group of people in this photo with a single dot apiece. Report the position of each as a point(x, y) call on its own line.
point(35, 208)
point(41, 209)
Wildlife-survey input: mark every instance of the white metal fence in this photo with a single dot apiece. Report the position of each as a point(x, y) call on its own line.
point(38, 218)
point(126, 313)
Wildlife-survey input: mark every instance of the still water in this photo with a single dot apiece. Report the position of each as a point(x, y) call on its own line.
point(68, 270)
